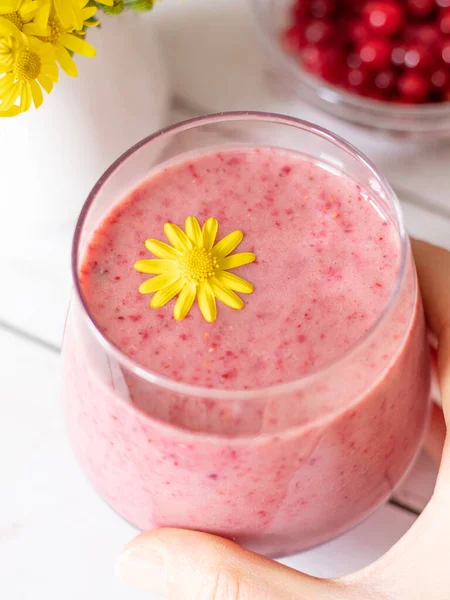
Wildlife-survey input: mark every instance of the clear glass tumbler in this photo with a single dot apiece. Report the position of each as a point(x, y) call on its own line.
point(292, 465)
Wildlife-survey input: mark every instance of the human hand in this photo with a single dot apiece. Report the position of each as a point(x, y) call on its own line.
point(186, 565)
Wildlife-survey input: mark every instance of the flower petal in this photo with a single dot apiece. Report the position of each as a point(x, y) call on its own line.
point(226, 295)
point(209, 233)
point(88, 12)
point(27, 11)
point(9, 98)
point(154, 266)
point(164, 296)
point(161, 249)
point(74, 43)
point(207, 302)
point(66, 61)
point(36, 92)
point(43, 13)
point(12, 112)
point(177, 237)
point(234, 282)
point(6, 82)
point(237, 260)
point(7, 27)
point(33, 29)
point(158, 283)
point(51, 70)
point(193, 231)
point(228, 244)
point(68, 13)
point(9, 6)
point(46, 82)
point(25, 98)
point(185, 301)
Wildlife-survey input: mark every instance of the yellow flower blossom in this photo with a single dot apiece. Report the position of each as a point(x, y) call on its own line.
point(193, 267)
point(9, 40)
point(69, 12)
point(29, 16)
point(33, 68)
point(64, 39)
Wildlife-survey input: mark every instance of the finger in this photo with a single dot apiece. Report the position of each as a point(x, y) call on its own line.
point(435, 440)
point(433, 267)
point(180, 564)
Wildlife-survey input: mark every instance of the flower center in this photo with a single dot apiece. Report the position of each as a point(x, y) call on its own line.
point(56, 29)
point(197, 265)
point(28, 65)
point(15, 18)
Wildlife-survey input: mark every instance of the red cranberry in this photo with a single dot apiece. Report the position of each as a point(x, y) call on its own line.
point(354, 61)
point(428, 34)
point(300, 12)
point(444, 21)
point(418, 57)
point(386, 80)
point(375, 94)
point(358, 32)
point(446, 52)
point(322, 8)
point(392, 50)
point(398, 56)
point(404, 100)
point(376, 53)
point(318, 32)
point(325, 62)
point(413, 86)
point(358, 79)
point(440, 79)
point(420, 8)
point(386, 17)
point(293, 39)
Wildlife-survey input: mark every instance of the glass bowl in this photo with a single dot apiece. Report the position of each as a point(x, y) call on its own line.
point(425, 120)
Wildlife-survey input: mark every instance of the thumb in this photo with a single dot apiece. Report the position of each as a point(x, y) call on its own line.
point(186, 565)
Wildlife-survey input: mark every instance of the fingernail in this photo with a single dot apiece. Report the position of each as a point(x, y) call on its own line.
point(142, 567)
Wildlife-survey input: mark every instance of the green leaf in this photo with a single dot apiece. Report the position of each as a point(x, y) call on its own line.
point(116, 9)
point(141, 5)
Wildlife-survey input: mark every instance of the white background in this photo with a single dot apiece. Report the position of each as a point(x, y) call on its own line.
point(57, 538)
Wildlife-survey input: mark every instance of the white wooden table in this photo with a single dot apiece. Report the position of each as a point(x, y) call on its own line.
point(57, 538)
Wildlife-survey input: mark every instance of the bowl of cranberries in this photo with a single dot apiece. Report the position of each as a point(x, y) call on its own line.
point(382, 64)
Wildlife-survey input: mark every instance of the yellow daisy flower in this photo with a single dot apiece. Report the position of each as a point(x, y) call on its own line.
point(64, 39)
point(9, 41)
point(29, 16)
point(194, 267)
point(33, 67)
point(69, 12)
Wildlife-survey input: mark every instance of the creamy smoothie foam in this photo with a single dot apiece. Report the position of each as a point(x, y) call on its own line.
point(276, 466)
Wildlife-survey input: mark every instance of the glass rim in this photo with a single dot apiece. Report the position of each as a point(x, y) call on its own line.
point(231, 394)
point(329, 92)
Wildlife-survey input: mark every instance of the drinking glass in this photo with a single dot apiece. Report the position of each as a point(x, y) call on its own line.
point(278, 469)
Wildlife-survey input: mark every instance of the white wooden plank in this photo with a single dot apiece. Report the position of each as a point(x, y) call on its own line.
point(53, 527)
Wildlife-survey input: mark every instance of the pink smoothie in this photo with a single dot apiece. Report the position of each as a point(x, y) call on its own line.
point(308, 406)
